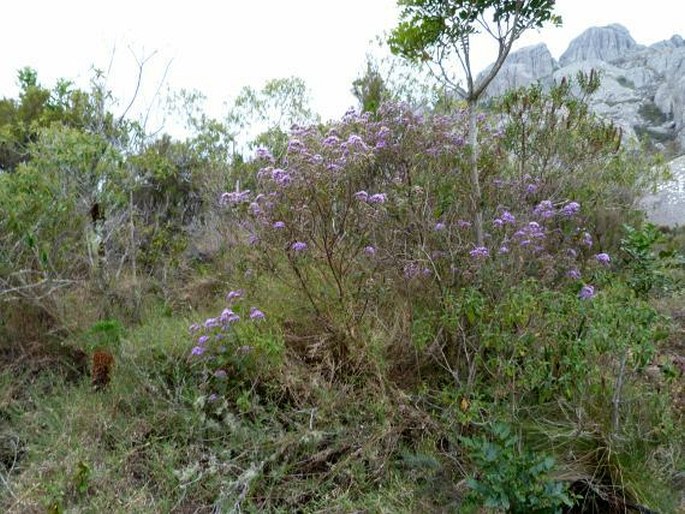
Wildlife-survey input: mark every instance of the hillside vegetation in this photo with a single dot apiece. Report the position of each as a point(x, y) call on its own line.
point(310, 326)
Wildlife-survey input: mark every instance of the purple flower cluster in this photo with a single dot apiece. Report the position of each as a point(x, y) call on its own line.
point(586, 292)
point(531, 232)
point(545, 209)
point(506, 218)
point(281, 177)
point(603, 258)
point(295, 146)
point(219, 326)
point(377, 198)
point(573, 273)
point(234, 197)
point(480, 252)
point(264, 154)
point(570, 209)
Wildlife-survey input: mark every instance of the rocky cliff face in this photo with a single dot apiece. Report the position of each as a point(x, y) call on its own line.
point(643, 88)
point(667, 205)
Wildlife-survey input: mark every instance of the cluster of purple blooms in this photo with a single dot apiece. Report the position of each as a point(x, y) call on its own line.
point(533, 234)
point(313, 160)
point(377, 198)
point(213, 332)
point(234, 197)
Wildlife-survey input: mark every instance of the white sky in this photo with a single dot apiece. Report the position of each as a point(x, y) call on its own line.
point(217, 47)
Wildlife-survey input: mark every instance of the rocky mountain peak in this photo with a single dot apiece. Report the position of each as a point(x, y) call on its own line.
point(642, 91)
point(599, 43)
point(523, 67)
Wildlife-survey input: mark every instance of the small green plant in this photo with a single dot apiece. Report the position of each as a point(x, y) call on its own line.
point(81, 478)
point(511, 478)
point(106, 333)
point(645, 266)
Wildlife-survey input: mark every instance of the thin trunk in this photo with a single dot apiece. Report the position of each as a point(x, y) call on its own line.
point(132, 235)
point(476, 196)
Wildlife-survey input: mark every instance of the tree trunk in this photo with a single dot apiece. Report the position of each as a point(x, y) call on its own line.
point(476, 196)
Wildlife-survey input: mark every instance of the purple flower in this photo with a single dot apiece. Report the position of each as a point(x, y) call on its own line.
point(586, 292)
point(254, 209)
point(298, 246)
point(198, 350)
point(383, 133)
point(603, 258)
point(278, 225)
point(280, 177)
point(361, 196)
point(370, 251)
point(535, 230)
point(587, 239)
point(532, 230)
point(378, 198)
point(508, 217)
point(439, 226)
point(497, 222)
point(213, 397)
point(411, 269)
point(234, 295)
point(572, 253)
point(531, 188)
point(256, 314)
point(295, 145)
point(193, 328)
point(331, 140)
point(211, 323)
point(503, 249)
point(573, 273)
point(479, 252)
point(228, 316)
point(544, 209)
point(202, 340)
point(463, 224)
point(263, 153)
point(355, 141)
point(234, 197)
point(570, 209)
point(220, 374)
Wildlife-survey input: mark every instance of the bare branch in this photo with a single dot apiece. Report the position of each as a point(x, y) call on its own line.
point(141, 66)
point(156, 95)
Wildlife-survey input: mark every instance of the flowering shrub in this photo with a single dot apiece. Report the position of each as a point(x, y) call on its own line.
point(367, 223)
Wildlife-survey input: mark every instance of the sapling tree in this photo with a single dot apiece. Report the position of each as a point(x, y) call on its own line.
point(438, 31)
point(271, 111)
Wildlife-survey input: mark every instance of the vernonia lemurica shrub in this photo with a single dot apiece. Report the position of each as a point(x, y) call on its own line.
point(366, 223)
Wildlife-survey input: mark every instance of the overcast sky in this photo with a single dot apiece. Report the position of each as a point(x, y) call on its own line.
point(217, 47)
